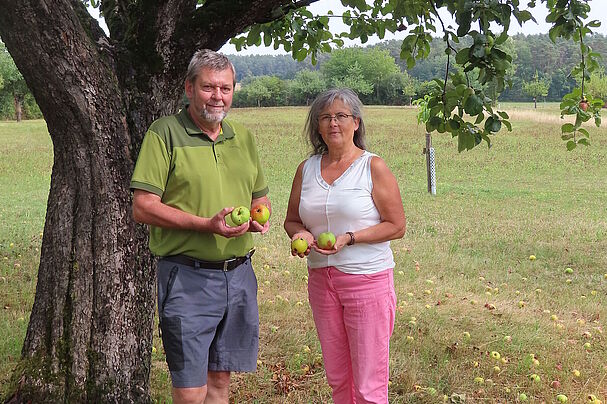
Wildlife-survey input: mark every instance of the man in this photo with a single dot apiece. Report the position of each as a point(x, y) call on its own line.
point(193, 168)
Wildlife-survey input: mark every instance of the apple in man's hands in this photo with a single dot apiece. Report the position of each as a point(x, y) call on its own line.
point(240, 215)
point(260, 214)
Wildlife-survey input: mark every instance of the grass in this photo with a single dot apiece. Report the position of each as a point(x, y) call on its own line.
point(463, 266)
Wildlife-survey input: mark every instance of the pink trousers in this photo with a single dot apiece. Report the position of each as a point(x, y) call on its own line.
point(354, 316)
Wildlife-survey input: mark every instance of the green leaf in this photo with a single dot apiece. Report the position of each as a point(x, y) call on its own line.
point(584, 141)
point(571, 145)
point(492, 124)
point(568, 127)
point(474, 105)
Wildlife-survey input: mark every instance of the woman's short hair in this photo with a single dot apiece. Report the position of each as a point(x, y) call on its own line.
point(322, 101)
point(208, 59)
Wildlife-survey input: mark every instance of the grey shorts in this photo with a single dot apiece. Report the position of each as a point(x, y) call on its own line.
point(209, 320)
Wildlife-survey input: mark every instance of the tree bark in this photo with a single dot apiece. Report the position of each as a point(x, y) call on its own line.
point(90, 332)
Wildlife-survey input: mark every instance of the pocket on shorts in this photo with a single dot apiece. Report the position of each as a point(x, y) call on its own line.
point(172, 342)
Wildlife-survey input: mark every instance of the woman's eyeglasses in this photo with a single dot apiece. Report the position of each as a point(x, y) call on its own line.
point(326, 119)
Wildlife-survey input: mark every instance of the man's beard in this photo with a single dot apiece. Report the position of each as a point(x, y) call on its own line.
point(212, 117)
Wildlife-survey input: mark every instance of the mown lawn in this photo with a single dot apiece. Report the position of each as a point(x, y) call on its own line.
point(465, 283)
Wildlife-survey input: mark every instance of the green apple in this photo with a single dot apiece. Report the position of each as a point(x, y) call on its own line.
point(568, 270)
point(495, 355)
point(326, 240)
point(260, 214)
point(561, 398)
point(299, 245)
point(522, 397)
point(240, 215)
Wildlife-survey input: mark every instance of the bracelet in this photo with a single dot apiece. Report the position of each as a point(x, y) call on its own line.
point(352, 239)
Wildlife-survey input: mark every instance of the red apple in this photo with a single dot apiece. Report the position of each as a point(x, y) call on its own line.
point(260, 214)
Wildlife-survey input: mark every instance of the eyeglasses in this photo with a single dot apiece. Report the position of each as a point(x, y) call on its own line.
point(208, 88)
point(326, 119)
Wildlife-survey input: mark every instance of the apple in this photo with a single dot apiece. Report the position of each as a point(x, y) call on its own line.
point(495, 355)
point(496, 369)
point(479, 380)
point(532, 258)
point(584, 105)
point(555, 384)
point(561, 398)
point(260, 214)
point(536, 378)
point(326, 240)
point(240, 215)
point(522, 397)
point(576, 373)
point(568, 270)
point(299, 246)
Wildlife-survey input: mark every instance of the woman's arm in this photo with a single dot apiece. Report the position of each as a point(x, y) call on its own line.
point(388, 202)
point(293, 224)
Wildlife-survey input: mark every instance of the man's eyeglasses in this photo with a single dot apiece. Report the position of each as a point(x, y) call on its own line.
point(207, 88)
point(326, 119)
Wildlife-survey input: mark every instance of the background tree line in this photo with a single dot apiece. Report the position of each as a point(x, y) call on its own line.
point(540, 69)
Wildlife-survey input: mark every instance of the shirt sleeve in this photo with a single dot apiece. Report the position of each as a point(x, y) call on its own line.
point(153, 165)
point(261, 186)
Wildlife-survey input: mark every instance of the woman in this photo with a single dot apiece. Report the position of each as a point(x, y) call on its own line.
point(344, 189)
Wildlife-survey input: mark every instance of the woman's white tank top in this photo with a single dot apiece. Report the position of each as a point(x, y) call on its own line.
point(345, 205)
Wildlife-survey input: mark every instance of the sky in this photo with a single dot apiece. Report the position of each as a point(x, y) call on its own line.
point(598, 12)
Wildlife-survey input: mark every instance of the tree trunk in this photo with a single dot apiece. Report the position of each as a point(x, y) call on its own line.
point(90, 332)
point(535, 102)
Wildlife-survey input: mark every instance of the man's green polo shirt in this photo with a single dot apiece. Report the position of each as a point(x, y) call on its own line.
point(190, 172)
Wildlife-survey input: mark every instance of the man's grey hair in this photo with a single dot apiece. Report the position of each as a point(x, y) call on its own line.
point(324, 100)
point(208, 59)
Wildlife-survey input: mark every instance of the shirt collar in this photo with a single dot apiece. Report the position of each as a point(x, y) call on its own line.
point(226, 131)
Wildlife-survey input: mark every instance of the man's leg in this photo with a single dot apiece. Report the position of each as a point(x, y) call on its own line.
point(189, 395)
point(218, 387)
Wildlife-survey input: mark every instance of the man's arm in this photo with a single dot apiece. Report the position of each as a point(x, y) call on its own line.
point(149, 209)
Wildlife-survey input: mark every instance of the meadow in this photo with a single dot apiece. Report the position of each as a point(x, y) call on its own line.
point(481, 272)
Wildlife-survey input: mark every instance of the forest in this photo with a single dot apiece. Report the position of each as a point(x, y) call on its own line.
point(540, 69)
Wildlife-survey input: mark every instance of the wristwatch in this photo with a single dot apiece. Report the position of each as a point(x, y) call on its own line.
point(352, 239)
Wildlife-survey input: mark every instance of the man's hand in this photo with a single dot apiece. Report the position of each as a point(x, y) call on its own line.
point(256, 227)
point(219, 225)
